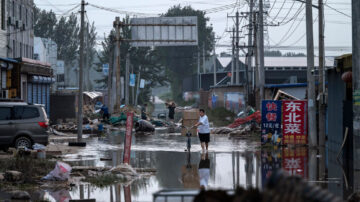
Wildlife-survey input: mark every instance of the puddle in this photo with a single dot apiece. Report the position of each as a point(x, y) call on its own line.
point(228, 164)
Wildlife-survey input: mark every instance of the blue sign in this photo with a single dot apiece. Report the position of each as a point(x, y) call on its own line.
point(132, 79)
point(105, 69)
point(271, 122)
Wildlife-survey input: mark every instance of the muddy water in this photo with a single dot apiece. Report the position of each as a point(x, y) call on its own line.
point(231, 163)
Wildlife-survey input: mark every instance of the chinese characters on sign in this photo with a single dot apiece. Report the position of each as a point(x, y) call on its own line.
point(295, 161)
point(271, 122)
point(294, 122)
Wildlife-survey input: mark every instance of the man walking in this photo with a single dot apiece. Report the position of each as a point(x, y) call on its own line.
point(204, 130)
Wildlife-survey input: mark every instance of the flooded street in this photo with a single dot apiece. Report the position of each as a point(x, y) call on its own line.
point(233, 162)
point(165, 152)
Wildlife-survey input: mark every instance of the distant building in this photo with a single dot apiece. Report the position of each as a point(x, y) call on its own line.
point(17, 19)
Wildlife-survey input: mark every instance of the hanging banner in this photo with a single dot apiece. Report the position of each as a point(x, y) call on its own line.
point(294, 118)
point(105, 69)
point(128, 134)
point(271, 122)
point(142, 83)
point(132, 80)
point(295, 161)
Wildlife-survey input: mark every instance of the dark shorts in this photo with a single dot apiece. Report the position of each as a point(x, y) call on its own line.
point(204, 137)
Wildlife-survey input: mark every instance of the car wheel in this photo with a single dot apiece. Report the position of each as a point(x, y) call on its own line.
point(23, 142)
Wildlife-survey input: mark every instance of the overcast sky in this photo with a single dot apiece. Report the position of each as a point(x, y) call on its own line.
point(290, 15)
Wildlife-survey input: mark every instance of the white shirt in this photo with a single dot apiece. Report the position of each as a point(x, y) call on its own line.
point(204, 175)
point(204, 127)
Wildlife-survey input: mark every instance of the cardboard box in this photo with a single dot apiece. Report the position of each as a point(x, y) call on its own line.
point(193, 131)
point(191, 114)
point(189, 122)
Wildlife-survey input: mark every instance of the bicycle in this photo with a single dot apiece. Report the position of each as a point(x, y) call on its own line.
point(188, 135)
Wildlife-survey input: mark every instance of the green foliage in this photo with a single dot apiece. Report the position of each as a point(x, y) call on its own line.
point(181, 61)
point(67, 38)
point(45, 22)
point(151, 69)
point(268, 53)
point(291, 54)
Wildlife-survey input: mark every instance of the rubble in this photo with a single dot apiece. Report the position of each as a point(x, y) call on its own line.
point(13, 176)
point(20, 195)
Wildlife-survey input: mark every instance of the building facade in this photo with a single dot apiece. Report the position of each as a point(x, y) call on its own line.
point(18, 17)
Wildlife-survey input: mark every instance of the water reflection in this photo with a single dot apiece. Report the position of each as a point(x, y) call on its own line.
point(229, 163)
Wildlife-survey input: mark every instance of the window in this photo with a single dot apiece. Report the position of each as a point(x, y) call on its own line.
point(14, 49)
point(13, 8)
point(20, 13)
point(25, 112)
point(3, 12)
point(5, 113)
point(26, 17)
point(20, 49)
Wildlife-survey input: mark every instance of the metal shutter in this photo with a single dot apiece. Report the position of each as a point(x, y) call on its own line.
point(39, 94)
point(34, 97)
point(29, 93)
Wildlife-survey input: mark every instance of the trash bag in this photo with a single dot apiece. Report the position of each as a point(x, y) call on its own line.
point(61, 172)
point(39, 147)
point(144, 126)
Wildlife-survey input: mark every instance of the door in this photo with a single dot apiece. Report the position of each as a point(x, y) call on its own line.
point(7, 126)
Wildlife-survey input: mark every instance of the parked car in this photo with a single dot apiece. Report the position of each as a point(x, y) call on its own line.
point(22, 125)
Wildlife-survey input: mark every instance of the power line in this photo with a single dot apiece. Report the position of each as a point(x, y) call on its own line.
point(120, 11)
point(338, 11)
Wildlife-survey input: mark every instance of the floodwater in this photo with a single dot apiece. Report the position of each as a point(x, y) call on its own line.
point(229, 163)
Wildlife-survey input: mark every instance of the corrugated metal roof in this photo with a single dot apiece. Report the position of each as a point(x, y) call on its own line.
point(93, 94)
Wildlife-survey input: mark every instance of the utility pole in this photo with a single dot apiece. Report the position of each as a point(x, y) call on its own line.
point(310, 77)
point(109, 85)
point(256, 51)
point(250, 51)
point(214, 62)
point(126, 80)
point(261, 52)
point(356, 86)
point(321, 76)
point(198, 70)
point(204, 59)
point(117, 25)
point(233, 56)
point(237, 69)
point(81, 66)
point(138, 87)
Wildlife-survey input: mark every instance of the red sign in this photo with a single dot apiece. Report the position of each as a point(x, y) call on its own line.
point(127, 145)
point(294, 119)
point(294, 161)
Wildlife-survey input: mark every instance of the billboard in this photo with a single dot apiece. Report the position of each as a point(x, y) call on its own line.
point(164, 31)
point(234, 101)
point(294, 122)
point(271, 122)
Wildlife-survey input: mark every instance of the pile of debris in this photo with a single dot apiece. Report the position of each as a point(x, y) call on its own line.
point(242, 126)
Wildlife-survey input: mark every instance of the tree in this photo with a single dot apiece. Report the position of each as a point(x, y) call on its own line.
point(181, 61)
point(45, 22)
point(67, 38)
point(151, 69)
